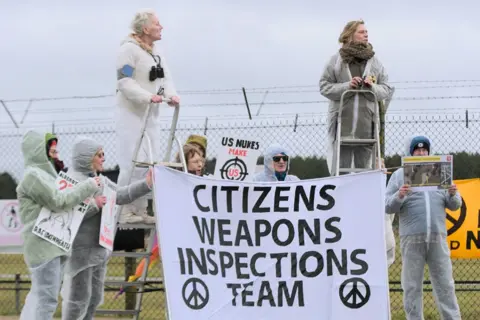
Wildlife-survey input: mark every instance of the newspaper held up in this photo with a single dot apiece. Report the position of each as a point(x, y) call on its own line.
point(428, 173)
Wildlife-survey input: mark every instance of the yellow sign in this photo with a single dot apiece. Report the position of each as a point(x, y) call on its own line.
point(422, 159)
point(463, 225)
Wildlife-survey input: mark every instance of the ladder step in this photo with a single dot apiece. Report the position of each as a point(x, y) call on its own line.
point(353, 170)
point(351, 141)
point(139, 164)
point(135, 226)
point(118, 312)
point(131, 254)
point(171, 164)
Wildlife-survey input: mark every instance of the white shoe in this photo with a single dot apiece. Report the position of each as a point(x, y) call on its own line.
point(130, 217)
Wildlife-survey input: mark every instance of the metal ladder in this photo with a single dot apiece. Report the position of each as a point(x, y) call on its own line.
point(373, 142)
point(141, 282)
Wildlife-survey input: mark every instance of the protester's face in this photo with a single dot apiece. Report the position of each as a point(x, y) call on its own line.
point(195, 164)
point(98, 161)
point(280, 162)
point(361, 34)
point(52, 152)
point(420, 152)
point(153, 29)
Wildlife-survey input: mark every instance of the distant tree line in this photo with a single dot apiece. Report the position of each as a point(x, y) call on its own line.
point(465, 166)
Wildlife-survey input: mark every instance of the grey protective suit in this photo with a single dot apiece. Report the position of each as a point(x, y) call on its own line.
point(269, 173)
point(423, 240)
point(45, 261)
point(85, 269)
point(358, 109)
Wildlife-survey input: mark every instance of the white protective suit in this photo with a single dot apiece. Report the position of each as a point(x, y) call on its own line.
point(85, 269)
point(358, 109)
point(389, 235)
point(423, 240)
point(45, 260)
point(269, 173)
point(134, 92)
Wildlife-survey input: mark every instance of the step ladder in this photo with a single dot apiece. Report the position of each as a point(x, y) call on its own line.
point(373, 142)
point(151, 228)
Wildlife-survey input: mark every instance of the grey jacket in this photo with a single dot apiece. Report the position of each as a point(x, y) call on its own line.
point(358, 109)
point(86, 250)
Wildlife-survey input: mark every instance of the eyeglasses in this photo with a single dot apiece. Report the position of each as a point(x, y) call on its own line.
point(278, 158)
point(100, 155)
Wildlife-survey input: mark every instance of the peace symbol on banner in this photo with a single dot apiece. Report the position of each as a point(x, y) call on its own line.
point(195, 293)
point(354, 293)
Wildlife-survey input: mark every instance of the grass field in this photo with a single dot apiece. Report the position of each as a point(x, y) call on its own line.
point(154, 302)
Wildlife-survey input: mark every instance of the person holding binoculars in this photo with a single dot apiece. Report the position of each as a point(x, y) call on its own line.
point(143, 77)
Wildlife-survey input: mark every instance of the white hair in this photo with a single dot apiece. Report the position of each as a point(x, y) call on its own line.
point(141, 19)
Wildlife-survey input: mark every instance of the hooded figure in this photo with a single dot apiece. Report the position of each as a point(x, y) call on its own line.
point(52, 153)
point(276, 164)
point(355, 60)
point(423, 238)
point(201, 143)
point(136, 63)
point(198, 141)
point(86, 267)
point(45, 260)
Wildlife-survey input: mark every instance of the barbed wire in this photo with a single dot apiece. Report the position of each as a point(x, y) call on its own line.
point(253, 89)
point(412, 113)
point(242, 104)
point(300, 90)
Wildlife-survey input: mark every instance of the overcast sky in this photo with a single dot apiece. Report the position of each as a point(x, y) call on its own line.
point(68, 48)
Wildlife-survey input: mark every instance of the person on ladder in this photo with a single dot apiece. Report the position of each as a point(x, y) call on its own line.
point(355, 66)
point(143, 77)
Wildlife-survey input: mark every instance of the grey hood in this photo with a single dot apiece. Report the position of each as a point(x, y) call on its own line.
point(84, 149)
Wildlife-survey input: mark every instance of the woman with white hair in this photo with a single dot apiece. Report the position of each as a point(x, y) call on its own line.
point(143, 77)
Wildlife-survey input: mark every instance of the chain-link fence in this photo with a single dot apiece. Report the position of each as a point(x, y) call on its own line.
point(306, 137)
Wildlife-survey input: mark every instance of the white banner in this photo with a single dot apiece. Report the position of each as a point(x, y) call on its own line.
point(312, 249)
point(10, 225)
point(237, 158)
point(109, 213)
point(60, 228)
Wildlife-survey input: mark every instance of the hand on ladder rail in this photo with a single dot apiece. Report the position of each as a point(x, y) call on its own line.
point(173, 102)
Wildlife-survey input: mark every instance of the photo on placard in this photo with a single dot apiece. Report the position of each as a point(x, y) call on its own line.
point(428, 173)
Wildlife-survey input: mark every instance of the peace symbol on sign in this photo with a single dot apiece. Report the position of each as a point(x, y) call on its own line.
point(195, 293)
point(358, 299)
point(457, 222)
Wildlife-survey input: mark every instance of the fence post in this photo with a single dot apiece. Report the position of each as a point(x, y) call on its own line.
point(206, 124)
point(466, 118)
point(130, 292)
point(17, 292)
point(9, 113)
point(246, 103)
point(295, 123)
point(53, 127)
